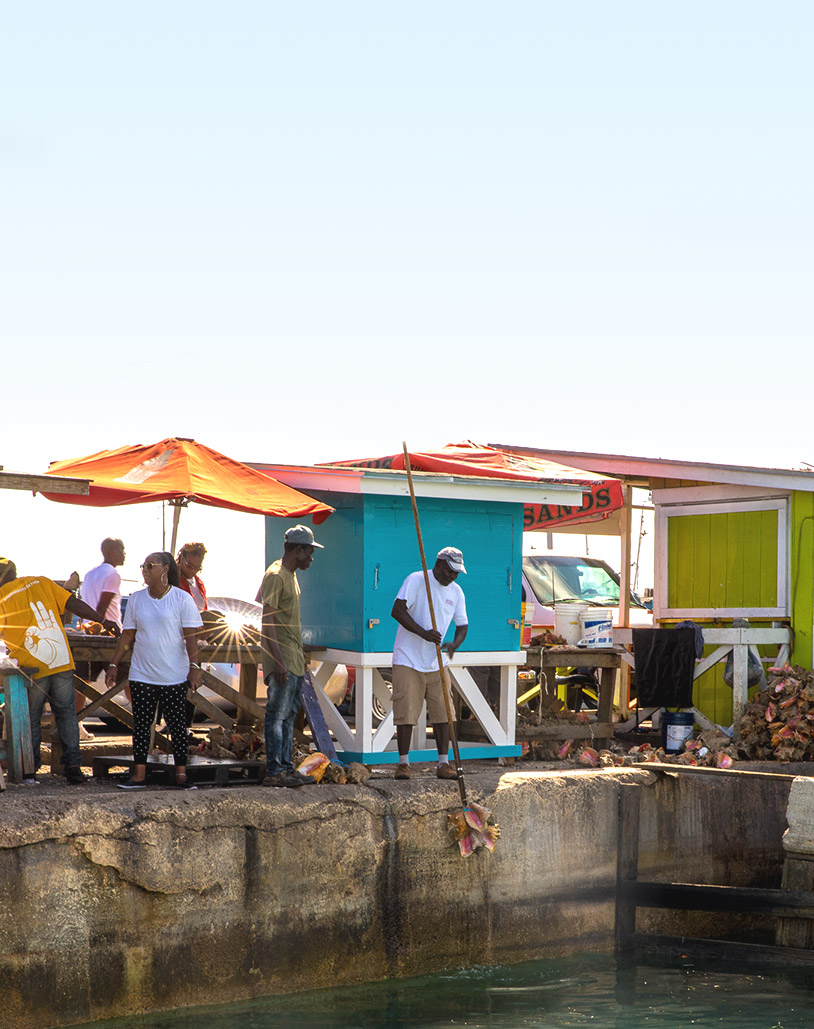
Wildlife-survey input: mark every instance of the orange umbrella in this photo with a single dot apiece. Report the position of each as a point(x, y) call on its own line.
point(181, 470)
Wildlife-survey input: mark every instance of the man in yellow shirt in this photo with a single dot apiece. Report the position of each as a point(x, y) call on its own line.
point(284, 658)
point(31, 611)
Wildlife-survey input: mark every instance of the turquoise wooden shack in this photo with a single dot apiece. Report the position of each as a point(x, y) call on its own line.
point(370, 547)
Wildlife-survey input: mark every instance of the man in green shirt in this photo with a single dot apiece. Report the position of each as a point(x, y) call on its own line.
point(283, 657)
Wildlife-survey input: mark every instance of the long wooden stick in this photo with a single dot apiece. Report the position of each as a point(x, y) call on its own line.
point(441, 666)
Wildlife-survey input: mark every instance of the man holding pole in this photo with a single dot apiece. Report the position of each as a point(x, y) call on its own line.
point(416, 675)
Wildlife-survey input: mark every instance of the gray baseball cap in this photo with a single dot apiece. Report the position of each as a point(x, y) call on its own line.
point(453, 557)
point(301, 535)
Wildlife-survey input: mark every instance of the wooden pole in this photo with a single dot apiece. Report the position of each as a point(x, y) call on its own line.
point(176, 518)
point(624, 592)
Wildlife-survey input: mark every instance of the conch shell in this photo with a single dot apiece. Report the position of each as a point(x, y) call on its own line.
point(473, 827)
point(314, 765)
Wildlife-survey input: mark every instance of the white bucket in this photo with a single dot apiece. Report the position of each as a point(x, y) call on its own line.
point(566, 621)
point(596, 628)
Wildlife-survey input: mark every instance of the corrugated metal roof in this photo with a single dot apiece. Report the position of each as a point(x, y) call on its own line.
point(643, 470)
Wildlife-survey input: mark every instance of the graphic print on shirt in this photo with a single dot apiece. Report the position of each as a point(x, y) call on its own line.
point(45, 640)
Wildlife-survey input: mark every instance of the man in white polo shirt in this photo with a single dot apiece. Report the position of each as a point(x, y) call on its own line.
point(102, 586)
point(102, 590)
point(416, 676)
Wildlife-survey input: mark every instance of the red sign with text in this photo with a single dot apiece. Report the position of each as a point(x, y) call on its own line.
point(603, 497)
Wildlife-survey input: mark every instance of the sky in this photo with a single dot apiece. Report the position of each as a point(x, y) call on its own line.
point(307, 232)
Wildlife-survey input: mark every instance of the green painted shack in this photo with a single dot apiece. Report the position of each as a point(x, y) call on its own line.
point(730, 542)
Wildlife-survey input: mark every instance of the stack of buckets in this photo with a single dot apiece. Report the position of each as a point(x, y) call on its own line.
point(583, 624)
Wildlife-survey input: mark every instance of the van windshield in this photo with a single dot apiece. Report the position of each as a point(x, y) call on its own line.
point(555, 577)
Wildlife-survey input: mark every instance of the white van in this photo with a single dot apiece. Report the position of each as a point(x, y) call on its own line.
point(549, 578)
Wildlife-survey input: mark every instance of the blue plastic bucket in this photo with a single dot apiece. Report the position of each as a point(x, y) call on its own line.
point(676, 729)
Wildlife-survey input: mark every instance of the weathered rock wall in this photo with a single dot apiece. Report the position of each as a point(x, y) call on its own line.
point(112, 903)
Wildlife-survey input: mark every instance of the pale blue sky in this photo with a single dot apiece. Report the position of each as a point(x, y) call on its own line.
point(301, 232)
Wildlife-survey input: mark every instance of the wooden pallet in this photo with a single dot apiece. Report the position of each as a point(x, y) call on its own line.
point(203, 771)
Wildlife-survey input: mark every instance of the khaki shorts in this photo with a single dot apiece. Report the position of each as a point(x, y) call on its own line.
point(411, 689)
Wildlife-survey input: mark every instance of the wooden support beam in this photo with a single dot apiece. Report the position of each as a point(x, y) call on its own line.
point(88, 689)
point(211, 710)
point(626, 523)
point(758, 955)
point(597, 733)
point(242, 701)
point(248, 689)
point(798, 874)
point(732, 899)
point(627, 861)
point(44, 483)
point(316, 720)
point(19, 752)
point(93, 707)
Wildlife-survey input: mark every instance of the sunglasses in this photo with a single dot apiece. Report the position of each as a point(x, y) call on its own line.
point(149, 565)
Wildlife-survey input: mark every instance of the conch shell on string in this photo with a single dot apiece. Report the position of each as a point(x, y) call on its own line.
point(473, 827)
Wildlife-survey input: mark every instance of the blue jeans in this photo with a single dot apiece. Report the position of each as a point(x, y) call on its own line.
point(58, 690)
point(282, 705)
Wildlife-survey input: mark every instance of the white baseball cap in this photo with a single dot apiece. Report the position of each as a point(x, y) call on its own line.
point(453, 557)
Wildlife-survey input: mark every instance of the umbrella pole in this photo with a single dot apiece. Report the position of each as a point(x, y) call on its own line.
point(441, 667)
point(176, 518)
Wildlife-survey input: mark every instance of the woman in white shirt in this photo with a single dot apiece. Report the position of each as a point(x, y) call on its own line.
point(161, 622)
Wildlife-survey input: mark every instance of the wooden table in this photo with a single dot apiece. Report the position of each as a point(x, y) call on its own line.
point(248, 656)
point(548, 660)
point(100, 648)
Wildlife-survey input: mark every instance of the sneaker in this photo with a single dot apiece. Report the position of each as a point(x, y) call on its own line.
point(75, 775)
point(31, 780)
point(402, 772)
point(185, 784)
point(446, 771)
point(131, 784)
point(307, 780)
point(284, 779)
point(84, 735)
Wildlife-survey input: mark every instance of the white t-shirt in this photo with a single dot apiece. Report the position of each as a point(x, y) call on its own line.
point(104, 579)
point(449, 606)
point(159, 652)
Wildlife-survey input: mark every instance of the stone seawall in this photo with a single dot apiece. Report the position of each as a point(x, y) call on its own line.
point(112, 904)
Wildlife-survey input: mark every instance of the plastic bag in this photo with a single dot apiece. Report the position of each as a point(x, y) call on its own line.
point(754, 669)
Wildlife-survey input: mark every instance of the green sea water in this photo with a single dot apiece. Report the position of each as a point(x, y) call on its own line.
point(586, 990)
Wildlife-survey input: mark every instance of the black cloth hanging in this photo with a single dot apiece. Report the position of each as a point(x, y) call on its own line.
point(665, 660)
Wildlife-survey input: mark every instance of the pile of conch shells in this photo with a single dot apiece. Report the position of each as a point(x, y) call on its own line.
point(231, 745)
point(778, 724)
